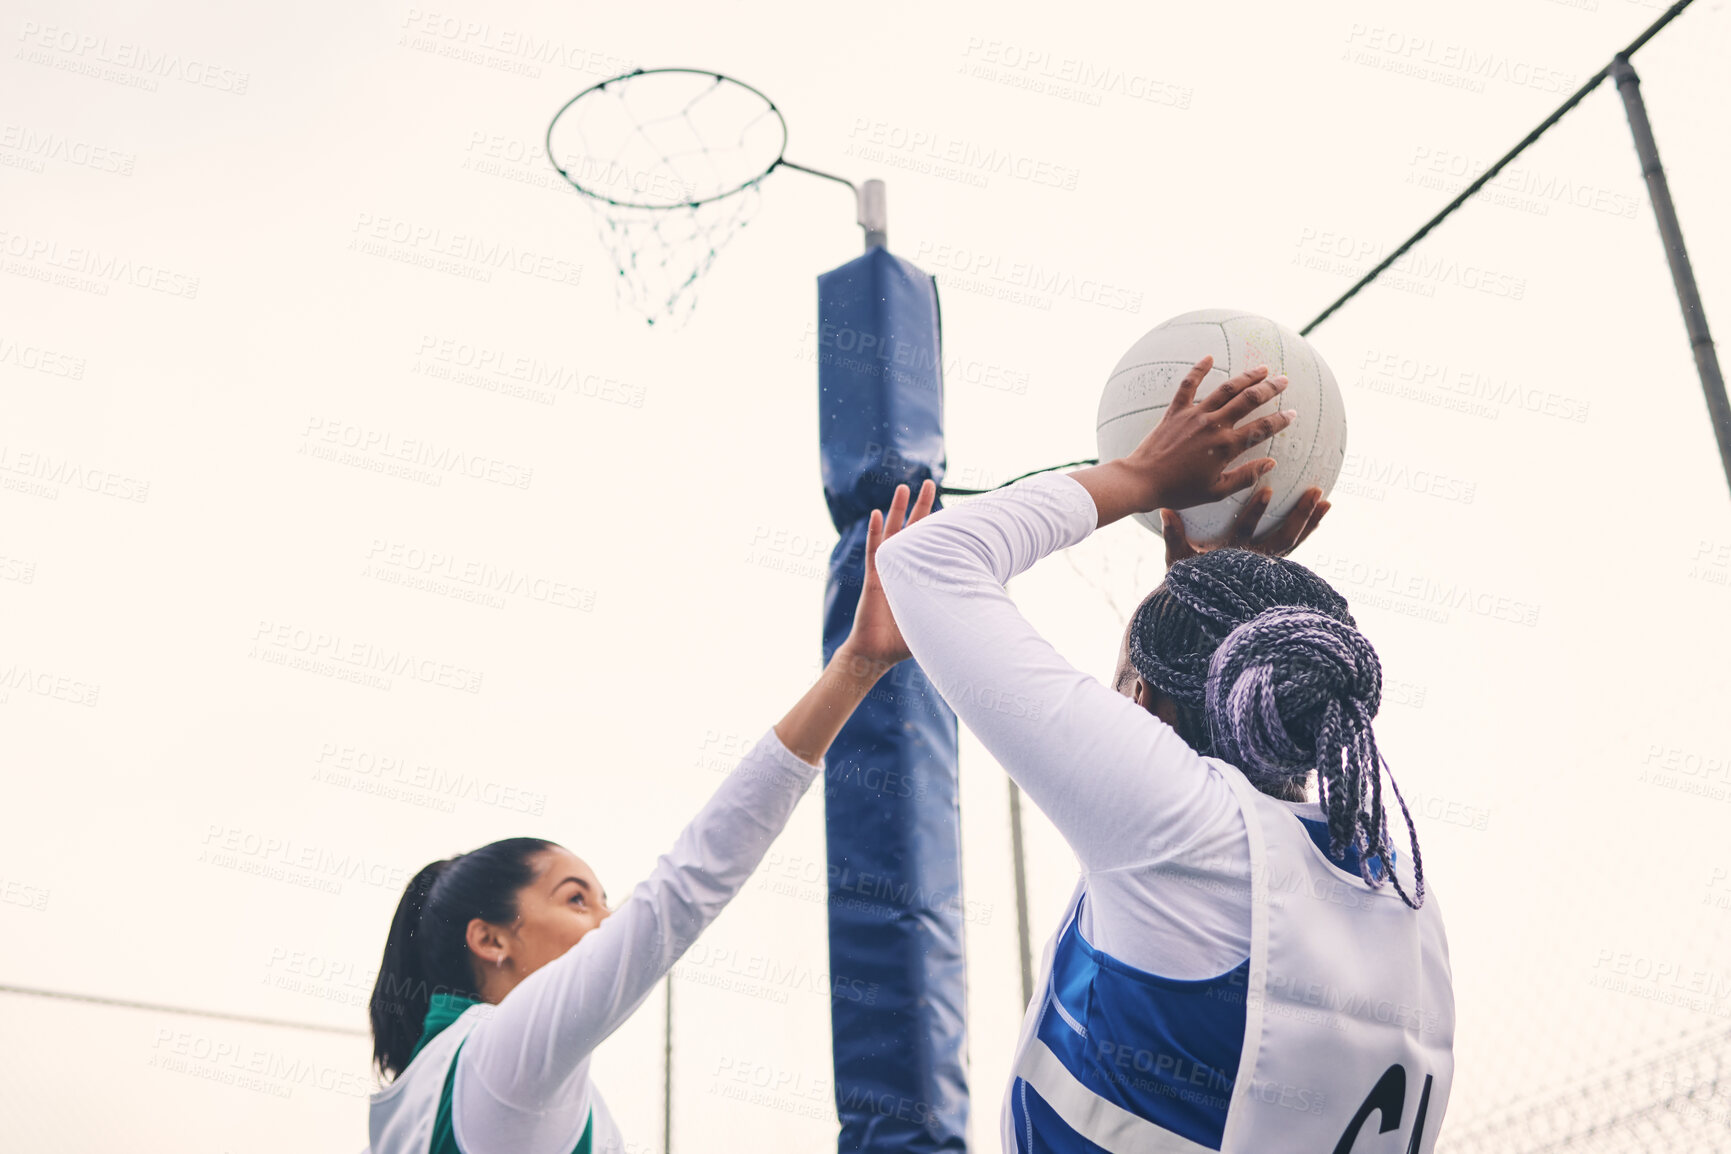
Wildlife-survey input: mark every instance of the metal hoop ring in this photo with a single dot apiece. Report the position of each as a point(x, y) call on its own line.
point(720, 79)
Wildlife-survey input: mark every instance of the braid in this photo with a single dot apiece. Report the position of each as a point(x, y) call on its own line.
point(1417, 898)
point(1183, 675)
point(1212, 596)
point(1177, 629)
point(1290, 688)
point(1271, 674)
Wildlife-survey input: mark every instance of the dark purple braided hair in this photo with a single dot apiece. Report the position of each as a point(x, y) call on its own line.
point(1271, 674)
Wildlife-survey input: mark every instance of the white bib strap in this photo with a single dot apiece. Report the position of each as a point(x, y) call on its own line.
point(1256, 985)
point(1101, 1122)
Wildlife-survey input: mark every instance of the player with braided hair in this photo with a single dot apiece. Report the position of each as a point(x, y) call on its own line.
point(1266, 669)
point(1243, 967)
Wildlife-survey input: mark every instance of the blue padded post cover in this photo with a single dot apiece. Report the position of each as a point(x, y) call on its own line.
point(898, 989)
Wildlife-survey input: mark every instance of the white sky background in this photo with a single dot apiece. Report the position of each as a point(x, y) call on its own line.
point(693, 526)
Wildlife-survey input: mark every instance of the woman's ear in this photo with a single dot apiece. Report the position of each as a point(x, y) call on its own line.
point(486, 942)
point(1155, 702)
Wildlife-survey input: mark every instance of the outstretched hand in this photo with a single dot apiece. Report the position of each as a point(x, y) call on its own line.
point(876, 637)
point(874, 645)
point(1183, 460)
point(1300, 523)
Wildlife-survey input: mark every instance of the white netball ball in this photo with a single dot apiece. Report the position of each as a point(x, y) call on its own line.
point(1308, 452)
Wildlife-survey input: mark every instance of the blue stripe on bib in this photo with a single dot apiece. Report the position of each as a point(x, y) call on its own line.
point(1164, 1049)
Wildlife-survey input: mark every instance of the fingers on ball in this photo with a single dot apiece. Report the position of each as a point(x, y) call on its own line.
point(1254, 398)
point(1263, 428)
point(1234, 386)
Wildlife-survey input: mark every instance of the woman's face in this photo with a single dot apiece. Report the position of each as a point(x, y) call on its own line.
point(554, 911)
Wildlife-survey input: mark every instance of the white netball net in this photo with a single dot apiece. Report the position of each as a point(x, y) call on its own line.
point(670, 161)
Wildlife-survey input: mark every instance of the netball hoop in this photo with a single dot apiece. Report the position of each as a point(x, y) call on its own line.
point(671, 160)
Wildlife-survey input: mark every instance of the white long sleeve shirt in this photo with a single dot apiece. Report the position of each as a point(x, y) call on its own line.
point(523, 1079)
point(1113, 1059)
point(1157, 830)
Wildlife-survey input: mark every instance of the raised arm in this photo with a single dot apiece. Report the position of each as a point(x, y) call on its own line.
point(542, 1032)
point(1116, 781)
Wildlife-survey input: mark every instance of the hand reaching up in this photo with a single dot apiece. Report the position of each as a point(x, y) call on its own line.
point(876, 637)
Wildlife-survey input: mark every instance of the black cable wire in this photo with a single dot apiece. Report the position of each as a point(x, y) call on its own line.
point(184, 1011)
point(1593, 82)
point(1490, 173)
point(946, 491)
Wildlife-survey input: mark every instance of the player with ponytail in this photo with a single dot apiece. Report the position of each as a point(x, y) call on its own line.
point(419, 966)
point(1247, 963)
point(506, 966)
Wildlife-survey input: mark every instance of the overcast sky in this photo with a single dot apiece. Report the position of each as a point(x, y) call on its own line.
point(236, 240)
